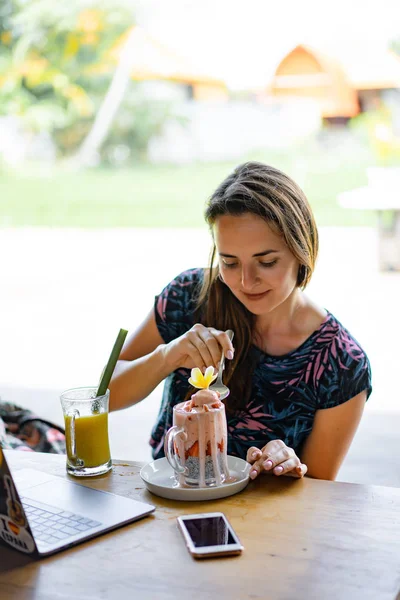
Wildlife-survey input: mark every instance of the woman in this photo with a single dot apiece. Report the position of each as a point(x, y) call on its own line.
point(298, 379)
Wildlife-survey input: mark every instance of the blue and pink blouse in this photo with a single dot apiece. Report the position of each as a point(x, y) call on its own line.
point(328, 369)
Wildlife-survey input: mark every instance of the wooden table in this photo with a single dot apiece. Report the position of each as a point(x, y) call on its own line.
point(304, 539)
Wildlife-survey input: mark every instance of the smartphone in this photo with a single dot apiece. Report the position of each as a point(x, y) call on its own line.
point(209, 535)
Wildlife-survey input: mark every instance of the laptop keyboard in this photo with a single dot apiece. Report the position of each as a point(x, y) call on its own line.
point(51, 525)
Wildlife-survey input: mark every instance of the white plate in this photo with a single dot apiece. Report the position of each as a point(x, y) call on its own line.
point(160, 480)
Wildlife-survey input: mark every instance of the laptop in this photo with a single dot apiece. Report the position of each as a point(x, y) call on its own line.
point(41, 514)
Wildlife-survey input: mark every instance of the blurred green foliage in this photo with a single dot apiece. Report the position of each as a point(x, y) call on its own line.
point(395, 45)
point(56, 64)
point(375, 129)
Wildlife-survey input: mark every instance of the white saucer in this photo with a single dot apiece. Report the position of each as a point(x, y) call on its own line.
point(160, 480)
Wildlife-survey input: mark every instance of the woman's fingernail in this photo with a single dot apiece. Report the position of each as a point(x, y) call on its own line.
point(229, 354)
point(255, 454)
point(267, 464)
point(278, 469)
point(253, 474)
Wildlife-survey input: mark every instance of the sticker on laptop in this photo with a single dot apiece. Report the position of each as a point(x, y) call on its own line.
point(16, 536)
point(14, 529)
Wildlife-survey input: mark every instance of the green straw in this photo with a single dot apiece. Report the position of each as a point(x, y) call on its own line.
point(112, 361)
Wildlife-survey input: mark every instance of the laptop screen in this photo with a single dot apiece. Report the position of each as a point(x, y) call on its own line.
point(14, 526)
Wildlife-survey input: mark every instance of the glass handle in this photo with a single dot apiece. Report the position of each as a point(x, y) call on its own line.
point(71, 431)
point(169, 449)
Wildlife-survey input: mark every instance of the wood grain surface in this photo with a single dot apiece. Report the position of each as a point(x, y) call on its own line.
point(304, 539)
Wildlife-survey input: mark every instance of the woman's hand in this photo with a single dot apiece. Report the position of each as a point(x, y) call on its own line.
point(199, 347)
point(275, 458)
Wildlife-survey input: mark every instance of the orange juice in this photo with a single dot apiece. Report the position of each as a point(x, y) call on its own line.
point(91, 434)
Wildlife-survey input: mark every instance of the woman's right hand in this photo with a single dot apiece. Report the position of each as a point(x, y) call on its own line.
point(199, 347)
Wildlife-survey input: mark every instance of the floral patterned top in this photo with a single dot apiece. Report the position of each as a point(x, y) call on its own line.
point(328, 369)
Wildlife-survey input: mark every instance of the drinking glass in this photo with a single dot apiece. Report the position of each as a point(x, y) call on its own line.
point(196, 447)
point(86, 431)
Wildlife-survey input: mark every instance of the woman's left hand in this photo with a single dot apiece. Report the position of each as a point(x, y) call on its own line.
point(275, 458)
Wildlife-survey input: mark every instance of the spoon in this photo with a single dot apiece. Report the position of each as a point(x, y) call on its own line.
point(219, 386)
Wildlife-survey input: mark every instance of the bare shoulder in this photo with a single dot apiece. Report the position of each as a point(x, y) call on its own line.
point(310, 316)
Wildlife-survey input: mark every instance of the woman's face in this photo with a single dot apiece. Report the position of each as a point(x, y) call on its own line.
point(254, 262)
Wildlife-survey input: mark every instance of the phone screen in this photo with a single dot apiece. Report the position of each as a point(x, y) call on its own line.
point(209, 531)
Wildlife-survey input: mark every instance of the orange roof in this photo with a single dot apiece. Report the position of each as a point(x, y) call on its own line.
point(153, 60)
point(332, 77)
point(305, 73)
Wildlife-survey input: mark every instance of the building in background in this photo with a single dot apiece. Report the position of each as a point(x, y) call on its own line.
point(214, 124)
point(342, 82)
point(152, 60)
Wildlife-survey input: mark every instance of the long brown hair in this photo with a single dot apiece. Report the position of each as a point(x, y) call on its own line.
point(264, 191)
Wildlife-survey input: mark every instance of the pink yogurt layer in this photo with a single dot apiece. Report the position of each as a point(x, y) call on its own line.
point(204, 421)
